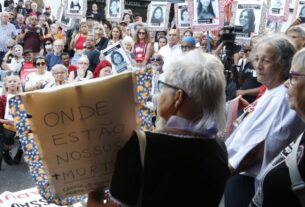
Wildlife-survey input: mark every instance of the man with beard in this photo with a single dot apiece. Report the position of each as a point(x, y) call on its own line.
point(32, 35)
point(92, 53)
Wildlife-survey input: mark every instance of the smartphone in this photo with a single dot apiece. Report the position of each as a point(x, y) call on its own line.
point(302, 19)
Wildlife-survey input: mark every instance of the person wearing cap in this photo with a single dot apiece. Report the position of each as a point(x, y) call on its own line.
point(7, 31)
point(90, 23)
point(92, 53)
point(27, 66)
point(104, 68)
point(187, 44)
point(123, 26)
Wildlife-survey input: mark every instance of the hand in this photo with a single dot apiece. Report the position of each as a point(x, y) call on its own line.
point(10, 122)
point(240, 93)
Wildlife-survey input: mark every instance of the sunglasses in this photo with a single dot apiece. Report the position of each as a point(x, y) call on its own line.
point(155, 59)
point(40, 63)
point(9, 73)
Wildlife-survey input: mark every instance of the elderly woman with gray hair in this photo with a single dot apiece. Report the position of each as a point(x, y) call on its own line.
point(60, 74)
point(270, 124)
point(184, 163)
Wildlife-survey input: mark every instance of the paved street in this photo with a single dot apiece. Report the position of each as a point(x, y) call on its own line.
point(15, 177)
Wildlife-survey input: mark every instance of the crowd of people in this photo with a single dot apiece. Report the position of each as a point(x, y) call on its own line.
point(187, 161)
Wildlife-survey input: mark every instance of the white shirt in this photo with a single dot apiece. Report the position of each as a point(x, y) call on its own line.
point(273, 122)
point(34, 78)
point(169, 54)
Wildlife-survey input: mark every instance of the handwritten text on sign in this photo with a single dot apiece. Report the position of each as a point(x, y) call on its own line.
point(80, 129)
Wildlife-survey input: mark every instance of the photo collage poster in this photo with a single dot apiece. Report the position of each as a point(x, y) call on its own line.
point(76, 8)
point(206, 14)
point(182, 16)
point(158, 16)
point(114, 10)
point(249, 15)
point(278, 10)
point(64, 21)
point(118, 57)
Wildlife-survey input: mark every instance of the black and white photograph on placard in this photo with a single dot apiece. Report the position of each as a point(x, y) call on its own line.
point(117, 56)
point(76, 8)
point(248, 16)
point(157, 15)
point(277, 7)
point(292, 5)
point(273, 26)
point(206, 11)
point(114, 9)
point(183, 17)
point(301, 9)
point(63, 20)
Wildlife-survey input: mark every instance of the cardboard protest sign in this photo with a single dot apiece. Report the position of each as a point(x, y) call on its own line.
point(28, 197)
point(79, 129)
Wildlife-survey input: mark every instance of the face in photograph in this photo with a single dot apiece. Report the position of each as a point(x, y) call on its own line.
point(205, 10)
point(117, 58)
point(157, 15)
point(114, 7)
point(247, 20)
point(302, 12)
point(184, 16)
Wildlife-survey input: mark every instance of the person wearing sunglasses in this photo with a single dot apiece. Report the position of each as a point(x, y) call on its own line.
point(275, 188)
point(187, 44)
point(185, 163)
point(142, 48)
point(41, 77)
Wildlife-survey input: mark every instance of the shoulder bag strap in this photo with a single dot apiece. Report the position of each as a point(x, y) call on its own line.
point(297, 183)
point(142, 144)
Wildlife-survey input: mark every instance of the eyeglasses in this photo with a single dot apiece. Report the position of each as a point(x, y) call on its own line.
point(161, 84)
point(293, 75)
point(155, 59)
point(83, 63)
point(59, 72)
point(142, 33)
point(9, 73)
point(40, 63)
point(186, 48)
